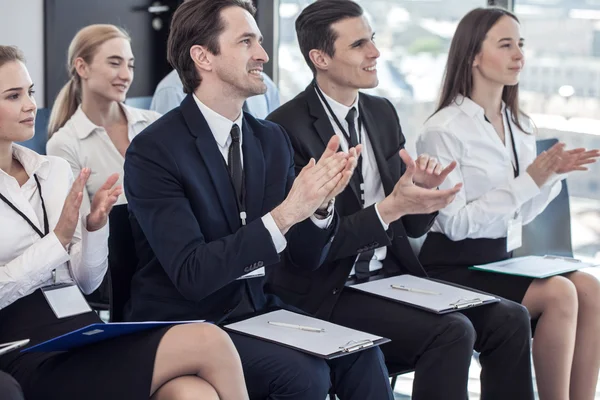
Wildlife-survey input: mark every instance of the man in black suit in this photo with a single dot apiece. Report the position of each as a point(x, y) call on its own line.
point(212, 192)
point(390, 198)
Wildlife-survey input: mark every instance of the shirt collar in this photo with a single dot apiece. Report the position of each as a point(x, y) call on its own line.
point(85, 127)
point(218, 124)
point(340, 110)
point(471, 108)
point(33, 162)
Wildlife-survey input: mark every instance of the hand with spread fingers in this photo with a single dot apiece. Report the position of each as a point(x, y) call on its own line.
point(103, 201)
point(430, 173)
point(352, 161)
point(546, 164)
point(408, 198)
point(576, 159)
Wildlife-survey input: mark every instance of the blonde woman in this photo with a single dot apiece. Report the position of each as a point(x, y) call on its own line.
point(89, 125)
point(43, 241)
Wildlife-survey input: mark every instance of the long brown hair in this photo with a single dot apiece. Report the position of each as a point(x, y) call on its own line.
point(84, 45)
point(466, 44)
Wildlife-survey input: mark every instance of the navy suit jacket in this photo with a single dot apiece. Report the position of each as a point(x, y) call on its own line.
point(185, 223)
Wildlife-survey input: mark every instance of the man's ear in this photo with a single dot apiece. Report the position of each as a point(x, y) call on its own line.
point(201, 57)
point(319, 59)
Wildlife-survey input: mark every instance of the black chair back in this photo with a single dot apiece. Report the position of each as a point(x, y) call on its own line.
point(549, 232)
point(122, 260)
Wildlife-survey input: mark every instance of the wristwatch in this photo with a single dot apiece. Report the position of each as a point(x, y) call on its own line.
point(326, 212)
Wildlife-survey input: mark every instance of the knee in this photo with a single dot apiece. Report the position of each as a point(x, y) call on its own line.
point(306, 376)
point(460, 331)
point(517, 317)
point(208, 338)
point(560, 295)
point(588, 292)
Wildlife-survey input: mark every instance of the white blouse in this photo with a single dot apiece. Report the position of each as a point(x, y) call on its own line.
point(26, 260)
point(491, 196)
point(84, 144)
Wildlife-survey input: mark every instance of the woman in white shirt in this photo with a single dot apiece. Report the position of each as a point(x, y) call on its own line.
point(478, 123)
point(90, 126)
point(44, 242)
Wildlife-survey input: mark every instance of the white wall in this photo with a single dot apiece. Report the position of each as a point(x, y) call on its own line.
point(22, 25)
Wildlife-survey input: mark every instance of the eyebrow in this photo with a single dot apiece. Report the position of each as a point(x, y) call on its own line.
point(16, 89)
point(360, 41)
point(250, 35)
point(509, 39)
point(119, 58)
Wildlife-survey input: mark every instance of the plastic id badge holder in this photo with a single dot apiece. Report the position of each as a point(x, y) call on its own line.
point(65, 300)
point(514, 236)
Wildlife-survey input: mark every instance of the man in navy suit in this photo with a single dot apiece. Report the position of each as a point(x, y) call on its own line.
point(214, 199)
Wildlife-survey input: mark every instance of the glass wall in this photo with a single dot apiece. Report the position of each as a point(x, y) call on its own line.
point(413, 37)
point(560, 89)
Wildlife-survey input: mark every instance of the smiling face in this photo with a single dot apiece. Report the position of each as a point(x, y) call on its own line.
point(110, 72)
point(501, 58)
point(239, 64)
point(354, 61)
point(17, 105)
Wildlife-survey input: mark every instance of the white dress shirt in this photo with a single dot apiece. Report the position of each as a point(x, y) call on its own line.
point(26, 260)
point(491, 195)
point(374, 192)
point(84, 144)
point(220, 127)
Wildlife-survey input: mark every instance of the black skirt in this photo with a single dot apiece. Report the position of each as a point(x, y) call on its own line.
point(448, 260)
point(119, 368)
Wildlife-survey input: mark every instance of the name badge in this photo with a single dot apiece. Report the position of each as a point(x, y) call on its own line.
point(254, 274)
point(514, 236)
point(66, 300)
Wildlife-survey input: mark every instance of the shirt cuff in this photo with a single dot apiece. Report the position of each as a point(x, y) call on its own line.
point(525, 189)
point(276, 236)
point(325, 222)
point(383, 224)
point(94, 244)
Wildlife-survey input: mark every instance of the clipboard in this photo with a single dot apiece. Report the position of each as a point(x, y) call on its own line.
point(534, 266)
point(426, 294)
point(10, 346)
point(321, 339)
point(95, 333)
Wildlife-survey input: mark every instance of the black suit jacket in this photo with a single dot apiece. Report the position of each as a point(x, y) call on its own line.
point(189, 238)
point(309, 128)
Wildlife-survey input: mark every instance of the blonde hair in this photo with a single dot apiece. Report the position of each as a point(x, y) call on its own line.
point(84, 45)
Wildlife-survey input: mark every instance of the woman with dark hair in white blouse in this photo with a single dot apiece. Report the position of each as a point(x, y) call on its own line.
point(43, 242)
point(479, 125)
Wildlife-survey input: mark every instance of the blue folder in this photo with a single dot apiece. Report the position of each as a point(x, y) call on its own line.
point(96, 333)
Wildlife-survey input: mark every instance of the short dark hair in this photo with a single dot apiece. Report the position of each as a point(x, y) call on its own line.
point(313, 25)
point(197, 22)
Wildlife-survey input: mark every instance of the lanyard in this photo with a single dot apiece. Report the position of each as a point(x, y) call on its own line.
point(35, 228)
point(512, 141)
point(358, 170)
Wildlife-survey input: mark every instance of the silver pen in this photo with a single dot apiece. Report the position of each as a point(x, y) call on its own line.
point(294, 326)
point(414, 290)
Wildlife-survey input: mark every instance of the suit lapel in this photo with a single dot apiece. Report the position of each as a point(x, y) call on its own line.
point(215, 165)
point(254, 172)
point(324, 128)
point(374, 130)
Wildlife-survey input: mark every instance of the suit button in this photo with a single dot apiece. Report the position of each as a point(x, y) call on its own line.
point(376, 244)
point(336, 291)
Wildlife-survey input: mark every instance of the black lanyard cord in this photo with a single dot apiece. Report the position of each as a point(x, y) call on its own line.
point(512, 142)
point(358, 170)
point(33, 226)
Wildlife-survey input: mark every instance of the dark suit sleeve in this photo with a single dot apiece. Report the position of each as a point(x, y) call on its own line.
point(158, 200)
point(416, 225)
point(308, 245)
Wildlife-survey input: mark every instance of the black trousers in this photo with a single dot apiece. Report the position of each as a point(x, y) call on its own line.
point(9, 388)
point(276, 372)
point(440, 347)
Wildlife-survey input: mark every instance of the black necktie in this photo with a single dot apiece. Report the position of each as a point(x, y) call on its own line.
point(361, 267)
point(235, 162)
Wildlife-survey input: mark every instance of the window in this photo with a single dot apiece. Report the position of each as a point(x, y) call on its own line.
point(413, 38)
point(568, 95)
